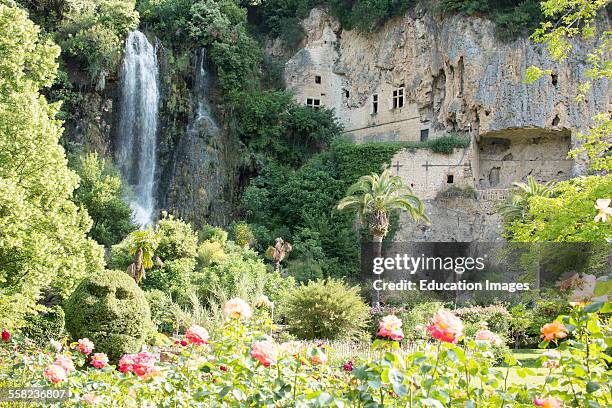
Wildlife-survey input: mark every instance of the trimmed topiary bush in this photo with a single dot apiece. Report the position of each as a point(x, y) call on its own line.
point(110, 310)
point(325, 309)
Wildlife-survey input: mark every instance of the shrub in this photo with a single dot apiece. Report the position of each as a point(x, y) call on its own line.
point(101, 193)
point(304, 270)
point(176, 239)
point(174, 279)
point(238, 275)
point(325, 309)
point(210, 233)
point(446, 144)
point(210, 252)
point(496, 316)
point(112, 311)
point(161, 310)
point(242, 234)
point(526, 321)
point(45, 326)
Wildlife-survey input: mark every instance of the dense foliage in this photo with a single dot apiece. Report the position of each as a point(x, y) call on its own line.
point(101, 192)
point(92, 32)
point(43, 242)
point(566, 216)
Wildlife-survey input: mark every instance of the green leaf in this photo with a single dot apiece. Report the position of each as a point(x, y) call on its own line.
point(593, 307)
point(591, 387)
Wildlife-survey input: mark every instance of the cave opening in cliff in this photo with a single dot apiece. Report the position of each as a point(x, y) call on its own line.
point(512, 155)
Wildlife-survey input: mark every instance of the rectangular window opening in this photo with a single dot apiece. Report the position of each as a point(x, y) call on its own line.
point(424, 134)
point(450, 179)
point(317, 79)
point(398, 98)
point(375, 103)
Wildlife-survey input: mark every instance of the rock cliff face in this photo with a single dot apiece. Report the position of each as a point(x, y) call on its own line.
point(455, 72)
point(421, 77)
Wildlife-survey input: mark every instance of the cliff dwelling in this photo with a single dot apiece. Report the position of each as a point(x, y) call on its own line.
point(512, 155)
point(410, 83)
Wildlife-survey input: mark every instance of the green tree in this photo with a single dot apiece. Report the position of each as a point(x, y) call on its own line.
point(568, 216)
point(92, 32)
point(373, 198)
point(142, 245)
point(518, 204)
point(220, 26)
point(100, 192)
point(43, 242)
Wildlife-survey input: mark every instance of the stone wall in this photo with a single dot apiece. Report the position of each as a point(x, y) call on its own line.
point(429, 173)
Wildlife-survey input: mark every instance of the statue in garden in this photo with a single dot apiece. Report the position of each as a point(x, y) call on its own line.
point(281, 249)
point(111, 310)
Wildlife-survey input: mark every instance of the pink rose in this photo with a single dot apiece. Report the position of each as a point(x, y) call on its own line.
point(348, 366)
point(85, 346)
point(141, 364)
point(237, 308)
point(126, 362)
point(265, 352)
point(99, 360)
point(65, 362)
point(553, 358)
point(55, 373)
point(391, 327)
point(488, 336)
point(91, 399)
point(446, 327)
point(197, 335)
point(548, 402)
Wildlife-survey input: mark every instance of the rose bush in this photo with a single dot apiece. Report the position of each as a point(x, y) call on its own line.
point(241, 365)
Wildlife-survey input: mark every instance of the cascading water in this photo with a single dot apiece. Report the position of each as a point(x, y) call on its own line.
point(203, 123)
point(137, 137)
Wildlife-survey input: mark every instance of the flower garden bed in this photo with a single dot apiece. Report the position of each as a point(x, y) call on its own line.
point(240, 365)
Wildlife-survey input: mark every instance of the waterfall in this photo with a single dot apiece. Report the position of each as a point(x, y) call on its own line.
point(137, 137)
point(203, 123)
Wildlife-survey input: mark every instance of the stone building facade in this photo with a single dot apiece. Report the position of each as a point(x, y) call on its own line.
point(420, 77)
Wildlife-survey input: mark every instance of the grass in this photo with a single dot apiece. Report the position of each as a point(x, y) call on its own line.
point(527, 358)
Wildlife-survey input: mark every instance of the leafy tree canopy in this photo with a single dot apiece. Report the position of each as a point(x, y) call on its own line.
point(100, 192)
point(43, 242)
point(567, 216)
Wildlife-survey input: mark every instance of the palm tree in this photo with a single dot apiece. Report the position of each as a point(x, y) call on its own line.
point(518, 204)
point(373, 197)
point(142, 246)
